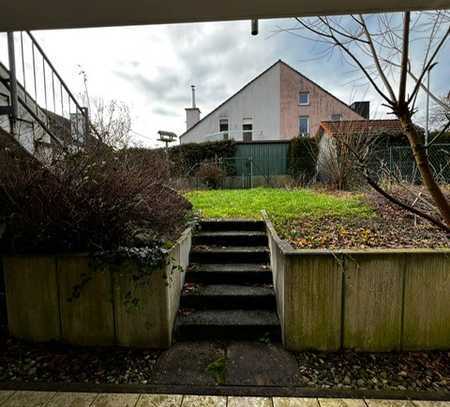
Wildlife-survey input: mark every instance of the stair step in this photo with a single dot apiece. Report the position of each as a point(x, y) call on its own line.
point(227, 296)
point(233, 273)
point(228, 324)
point(232, 237)
point(229, 254)
point(215, 225)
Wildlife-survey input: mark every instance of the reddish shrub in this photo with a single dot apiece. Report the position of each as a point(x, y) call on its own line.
point(211, 174)
point(91, 201)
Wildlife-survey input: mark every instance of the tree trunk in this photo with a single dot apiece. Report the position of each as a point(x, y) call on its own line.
point(421, 158)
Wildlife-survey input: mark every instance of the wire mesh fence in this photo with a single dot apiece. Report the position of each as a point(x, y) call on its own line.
point(400, 163)
point(241, 172)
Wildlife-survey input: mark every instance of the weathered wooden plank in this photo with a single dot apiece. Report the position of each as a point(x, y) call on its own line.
point(427, 287)
point(389, 403)
point(87, 320)
point(312, 303)
point(160, 400)
point(72, 400)
point(295, 402)
point(341, 402)
point(29, 399)
point(373, 301)
point(204, 401)
point(31, 297)
point(147, 323)
point(116, 400)
point(249, 402)
point(5, 394)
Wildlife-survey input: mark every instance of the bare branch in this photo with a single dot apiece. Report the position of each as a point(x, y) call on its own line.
point(377, 62)
point(405, 58)
point(428, 65)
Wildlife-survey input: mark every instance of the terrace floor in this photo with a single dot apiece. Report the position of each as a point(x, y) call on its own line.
point(61, 399)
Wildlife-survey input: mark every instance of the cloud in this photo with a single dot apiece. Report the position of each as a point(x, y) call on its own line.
point(151, 68)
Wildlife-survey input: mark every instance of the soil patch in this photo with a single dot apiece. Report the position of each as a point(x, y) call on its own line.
point(389, 227)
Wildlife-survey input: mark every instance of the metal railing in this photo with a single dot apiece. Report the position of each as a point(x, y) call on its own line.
point(48, 112)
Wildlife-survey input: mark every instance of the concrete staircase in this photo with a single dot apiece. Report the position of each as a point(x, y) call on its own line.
point(228, 292)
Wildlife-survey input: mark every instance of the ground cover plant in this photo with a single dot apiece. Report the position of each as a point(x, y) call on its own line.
point(310, 218)
point(279, 203)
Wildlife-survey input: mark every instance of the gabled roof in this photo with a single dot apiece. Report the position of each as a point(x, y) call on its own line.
point(256, 78)
point(369, 127)
point(231, 97)
point(318, 86)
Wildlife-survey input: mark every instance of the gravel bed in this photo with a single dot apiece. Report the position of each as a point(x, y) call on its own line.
point(24, 362)
point(416, 371)
point(53, 363)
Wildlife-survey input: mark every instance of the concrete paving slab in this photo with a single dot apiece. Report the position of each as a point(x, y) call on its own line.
point(160, 400)
point(116, 400)
point(72, 400)
point(389, 403)
point(5, 395)
point(186, 363)
point(249, 402)
point(341, 402)
point(260, 364)
point(295, 402)
point(204, 401)
point(29, 399)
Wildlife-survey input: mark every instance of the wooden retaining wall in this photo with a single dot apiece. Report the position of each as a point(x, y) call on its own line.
point(367, 300)
point(41, 307)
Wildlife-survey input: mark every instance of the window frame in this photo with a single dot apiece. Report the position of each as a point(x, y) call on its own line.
point(245, 122)
point(304, 92)
point(308, 125)
point(226, 132)
point(336, 120)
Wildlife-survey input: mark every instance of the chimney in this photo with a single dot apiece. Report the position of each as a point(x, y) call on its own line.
point(192, 113)
point(362, 108)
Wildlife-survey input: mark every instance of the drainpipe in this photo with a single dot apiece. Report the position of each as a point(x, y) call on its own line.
point(12, 81)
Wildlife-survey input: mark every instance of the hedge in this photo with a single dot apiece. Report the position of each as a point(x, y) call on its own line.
point(302, 157)
point(185, 158)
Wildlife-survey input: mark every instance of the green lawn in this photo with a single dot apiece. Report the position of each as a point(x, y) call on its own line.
point(279, 203)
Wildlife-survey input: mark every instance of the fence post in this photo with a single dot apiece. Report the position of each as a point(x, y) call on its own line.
point(251, 172)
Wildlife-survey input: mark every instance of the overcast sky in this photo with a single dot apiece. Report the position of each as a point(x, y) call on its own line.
point(151, 68)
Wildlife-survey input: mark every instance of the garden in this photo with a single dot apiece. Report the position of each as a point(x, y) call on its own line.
point(319, 218)
point(104, 221)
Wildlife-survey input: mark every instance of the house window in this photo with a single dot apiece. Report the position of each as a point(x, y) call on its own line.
point(303, 125)
point(337, 117)
point(247, 130)
point(303, 98)
point(223, 128)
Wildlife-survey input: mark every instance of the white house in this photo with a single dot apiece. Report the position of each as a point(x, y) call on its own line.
point(279, 104)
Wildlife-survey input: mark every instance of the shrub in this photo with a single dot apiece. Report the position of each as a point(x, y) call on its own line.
point(186, 157)
point(211, 174)
point(339, 159)
point(302, 158)
point(91, 201)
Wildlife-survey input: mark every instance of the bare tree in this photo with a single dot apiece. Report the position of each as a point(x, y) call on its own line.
point(112, 121)
point(380, 47)
point(440, 112)
point(336, 159)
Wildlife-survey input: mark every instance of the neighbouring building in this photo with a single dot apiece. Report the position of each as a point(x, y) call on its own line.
point(279, 104)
